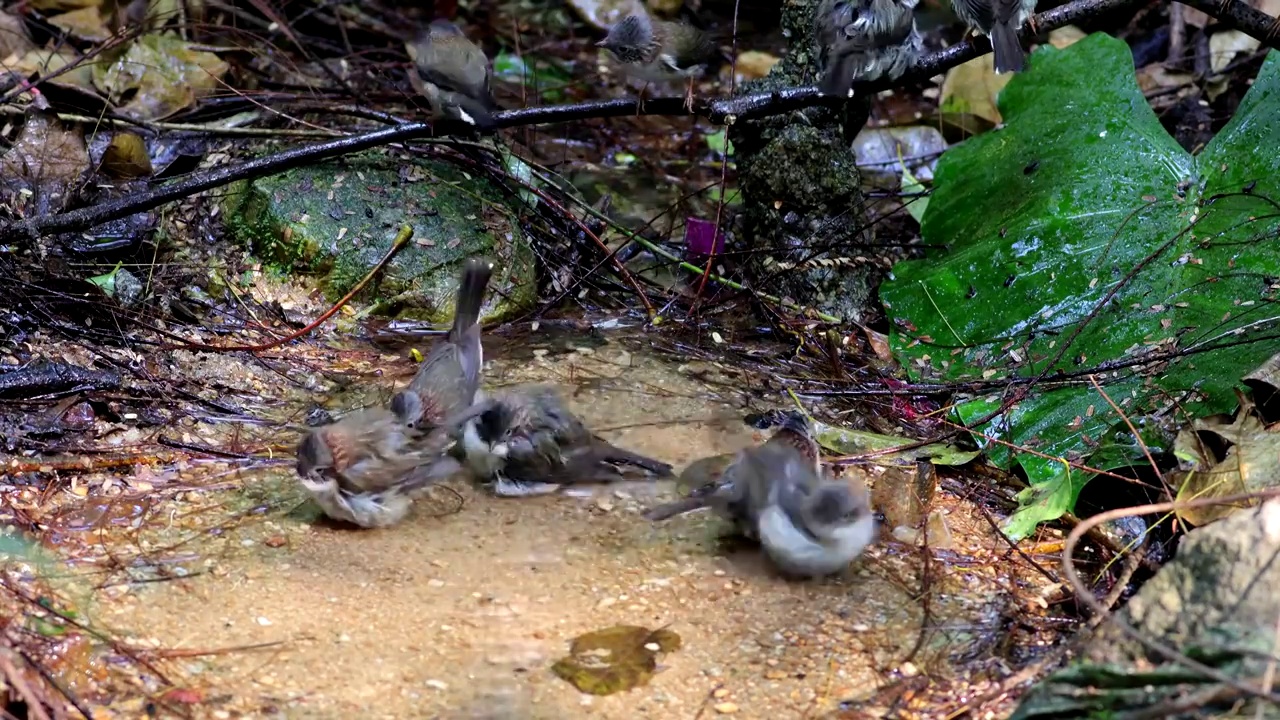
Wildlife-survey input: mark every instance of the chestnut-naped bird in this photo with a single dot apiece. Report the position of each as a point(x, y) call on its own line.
point(778, 494)
point(453, 73)
point(743, 488)
point(864, 40)
point(366, 468)
point(812, 527)
point(529, 443)
point(659, 51)
point(999, 20)
point(447, 381)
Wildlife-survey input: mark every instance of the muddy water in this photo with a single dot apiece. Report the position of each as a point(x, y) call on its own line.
point(461, 616)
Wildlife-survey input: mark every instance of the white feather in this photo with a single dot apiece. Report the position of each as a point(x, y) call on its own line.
point(796, 552)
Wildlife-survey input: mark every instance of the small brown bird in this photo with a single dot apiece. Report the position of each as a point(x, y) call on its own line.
point(366, 467)
point(659, 51)
point(453, 73)
point(448, 378)
point(1000, 20)
point(815, 526)
point(743, 488)
point(530, 443)
point(864, 40)
point(807, 524)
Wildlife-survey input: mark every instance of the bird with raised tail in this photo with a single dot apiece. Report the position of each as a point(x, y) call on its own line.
point(367, 467)
point(777, 493)
point(447, 380)
point(529, 443)
point(742, 490)
point(453, 73)
point(659, 51)
point(864, 40)
point(999, 20)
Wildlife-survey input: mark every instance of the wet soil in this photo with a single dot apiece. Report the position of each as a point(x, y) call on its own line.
point(461, 614)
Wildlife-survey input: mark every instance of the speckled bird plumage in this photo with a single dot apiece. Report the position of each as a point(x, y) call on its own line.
point(1000, 20)
point(530, 443)
point(454, 74)
point(366, 468)
point(864, 40)
point(447, 380)
point(658, 50)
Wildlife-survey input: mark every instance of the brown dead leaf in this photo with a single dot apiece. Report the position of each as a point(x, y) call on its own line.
point(754, 64)
point(85, 23)
point(44, 62)
point(126, 157)
point(50, 7)
point(972, 89)
point(1066, 36)
point(13, 38)
point(47, 160)
point(166, 73)
point(1248, 465)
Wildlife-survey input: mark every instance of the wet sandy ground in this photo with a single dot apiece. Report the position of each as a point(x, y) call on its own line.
point(462, 616)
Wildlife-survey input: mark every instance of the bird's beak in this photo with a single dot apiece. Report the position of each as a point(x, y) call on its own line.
point(602, 43)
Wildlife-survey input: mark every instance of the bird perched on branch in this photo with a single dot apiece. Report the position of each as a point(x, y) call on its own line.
point(659, 51)
point(778, 494)
point(864, 40)
point(366, 468)
point(448, 378)
point(529, 443)
point(453, 73)
point(999, 20)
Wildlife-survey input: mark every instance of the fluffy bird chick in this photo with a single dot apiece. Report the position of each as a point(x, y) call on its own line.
point(529, 443)
point(743, 489)
point(659, 51)
point(453, 73)
point(1000, 20)
point(366, 467)
point(865, 40)
point(812, 527)
point(448, 378)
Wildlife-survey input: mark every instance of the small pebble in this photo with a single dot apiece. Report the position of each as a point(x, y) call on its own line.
point(263, 621)
point(344, 638)
point(435, 583)
point(720, 693)
point(652, 647)
point(726, 708)
point(606, 602)
point(438, 684)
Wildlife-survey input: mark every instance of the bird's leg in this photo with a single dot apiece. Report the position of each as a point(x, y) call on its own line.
point(1031, 20)
point(688, 96)
point(640, 100)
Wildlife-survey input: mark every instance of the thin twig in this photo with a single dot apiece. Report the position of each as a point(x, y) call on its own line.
point(1156, 646)
point(401, 240)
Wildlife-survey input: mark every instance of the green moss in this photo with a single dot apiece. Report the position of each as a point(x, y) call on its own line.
point(336, 221)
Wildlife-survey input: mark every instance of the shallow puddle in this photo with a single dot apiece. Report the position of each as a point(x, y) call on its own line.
point(461, 615)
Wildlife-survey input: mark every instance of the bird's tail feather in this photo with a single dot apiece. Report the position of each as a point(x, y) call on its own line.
point(614, 454)
point(1009, 55)
point(838, 77)
point(475, 280)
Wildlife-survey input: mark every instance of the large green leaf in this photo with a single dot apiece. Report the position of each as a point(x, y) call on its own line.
point(1083, 216)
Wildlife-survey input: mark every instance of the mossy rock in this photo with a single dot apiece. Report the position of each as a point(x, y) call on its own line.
point(336, 220)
